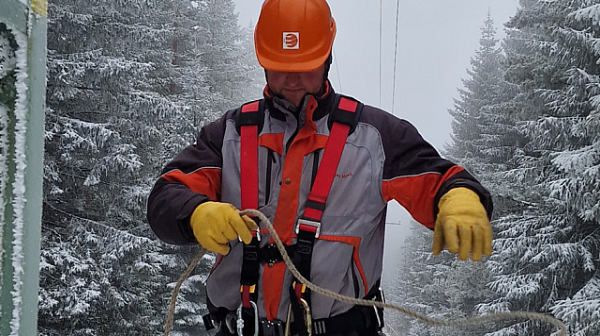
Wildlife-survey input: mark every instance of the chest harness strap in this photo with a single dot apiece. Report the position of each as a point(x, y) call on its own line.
point(342, 121)
point(250, 119)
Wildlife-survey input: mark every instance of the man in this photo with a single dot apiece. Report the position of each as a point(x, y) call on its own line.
point(322, 168)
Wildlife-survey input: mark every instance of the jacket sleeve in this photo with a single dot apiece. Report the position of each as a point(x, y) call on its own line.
point(191, 178)
point(416, 176)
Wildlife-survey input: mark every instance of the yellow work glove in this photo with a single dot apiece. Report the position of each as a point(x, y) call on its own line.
point(215, 224)
point(462, 225)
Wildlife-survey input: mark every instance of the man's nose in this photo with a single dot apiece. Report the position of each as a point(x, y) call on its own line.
point(292, 76)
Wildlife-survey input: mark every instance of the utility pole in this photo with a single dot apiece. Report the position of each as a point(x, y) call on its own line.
point(23, 27)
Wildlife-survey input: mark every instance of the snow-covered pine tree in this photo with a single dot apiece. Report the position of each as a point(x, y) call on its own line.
point(582, 311)
point(224, 52)
point(579, 161)
point(100, 281)
point(480, 93)
point(444, 287)
point(547, 246)
point(414, 274)
point(103, 142)
point(216, 69)
point(549, 252)
point(104, 107)
point(439, 287)
point(127, 89)
point(481, 143)
point(483, 137)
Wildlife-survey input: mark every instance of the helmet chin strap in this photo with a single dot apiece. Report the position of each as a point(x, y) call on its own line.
point(328, 62)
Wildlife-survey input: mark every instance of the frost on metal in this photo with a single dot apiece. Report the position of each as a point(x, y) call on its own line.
point(8, 63)
point(14, 63)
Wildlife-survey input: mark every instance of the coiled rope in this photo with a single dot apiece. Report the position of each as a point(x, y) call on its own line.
point(464, 322)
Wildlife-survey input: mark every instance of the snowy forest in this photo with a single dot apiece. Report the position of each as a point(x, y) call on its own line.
point(527, 124)
point(130, 83)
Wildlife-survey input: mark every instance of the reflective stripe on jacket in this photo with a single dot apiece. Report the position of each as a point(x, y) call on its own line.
point(384, 159)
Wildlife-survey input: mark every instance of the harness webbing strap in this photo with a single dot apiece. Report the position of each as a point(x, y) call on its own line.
point(249, 158)
point(308, 228)
point(327, 170)
point(249, 119)
point(331, 158)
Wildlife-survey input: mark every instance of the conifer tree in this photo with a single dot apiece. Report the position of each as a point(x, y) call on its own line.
point(484, 137)
point(482, 92)
point(482, 143)
point(435, 286)
point(549, 251)
point(409, 289)
point(539, 156)
point(128, 88)
point(447, 288)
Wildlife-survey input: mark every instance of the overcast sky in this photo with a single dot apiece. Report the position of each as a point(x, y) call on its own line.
point(436, 40)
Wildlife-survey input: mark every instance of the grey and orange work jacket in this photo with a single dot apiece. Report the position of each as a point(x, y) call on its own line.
point(384, 159)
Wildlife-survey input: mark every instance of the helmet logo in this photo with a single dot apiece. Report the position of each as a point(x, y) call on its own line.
point(291, 40)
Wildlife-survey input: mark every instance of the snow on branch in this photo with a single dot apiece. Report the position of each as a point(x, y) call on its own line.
point(591, 13)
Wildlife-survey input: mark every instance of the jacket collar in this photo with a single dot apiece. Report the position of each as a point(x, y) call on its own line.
point(275, 104)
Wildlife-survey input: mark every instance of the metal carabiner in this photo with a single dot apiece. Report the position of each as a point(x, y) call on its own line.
point(288, 321)
point(240, 319)
point(307, 316)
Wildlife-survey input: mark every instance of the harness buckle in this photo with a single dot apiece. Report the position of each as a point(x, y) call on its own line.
point(240, 319)
point(308, 225)
point(257, 235)
point(271, 254)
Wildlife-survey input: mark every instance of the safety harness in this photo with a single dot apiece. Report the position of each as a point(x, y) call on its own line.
point(343, 119)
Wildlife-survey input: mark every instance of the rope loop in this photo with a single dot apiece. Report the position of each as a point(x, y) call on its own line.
point(464, 322)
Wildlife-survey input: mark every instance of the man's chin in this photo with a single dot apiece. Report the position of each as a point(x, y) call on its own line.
point(296, 98)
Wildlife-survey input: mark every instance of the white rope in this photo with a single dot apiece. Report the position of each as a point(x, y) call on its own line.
point(175, 293)
point(464, 322)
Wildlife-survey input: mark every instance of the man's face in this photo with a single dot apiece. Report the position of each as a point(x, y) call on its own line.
point(293, 86)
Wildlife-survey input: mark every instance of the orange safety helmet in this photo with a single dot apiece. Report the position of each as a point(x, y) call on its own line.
point(294, 35)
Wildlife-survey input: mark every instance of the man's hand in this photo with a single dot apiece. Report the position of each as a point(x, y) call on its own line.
point(215, 224)
point(462, 225)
